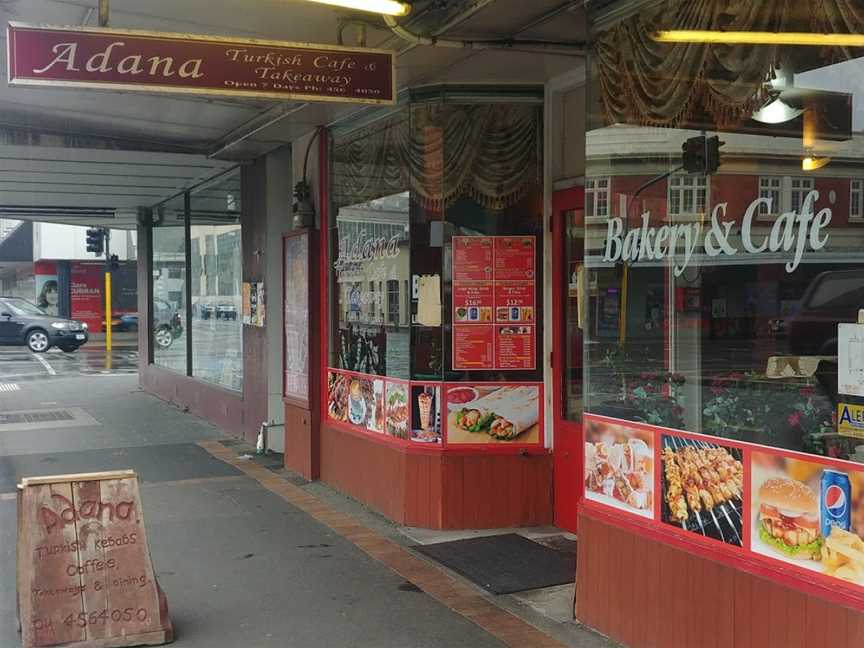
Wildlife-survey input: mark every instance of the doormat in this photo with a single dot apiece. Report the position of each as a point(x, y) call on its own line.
point(503, 564)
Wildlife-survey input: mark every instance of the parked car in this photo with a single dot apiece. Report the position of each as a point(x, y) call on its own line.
point(226, 312)
point(832, 297)
point(167, 325)
point(24, 323)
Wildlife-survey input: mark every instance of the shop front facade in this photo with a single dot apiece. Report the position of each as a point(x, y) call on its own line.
point(723, 482)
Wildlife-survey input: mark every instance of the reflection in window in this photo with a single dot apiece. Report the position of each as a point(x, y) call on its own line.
point(688, 195)
point(800, 187)
point(855, 191)
point(770, 188)
point(215, 235)
point(597, 197)
point(372, 261)
point(168, 288)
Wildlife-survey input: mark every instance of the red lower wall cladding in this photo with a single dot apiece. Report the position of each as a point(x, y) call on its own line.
point(437, 490)
point(647, 594)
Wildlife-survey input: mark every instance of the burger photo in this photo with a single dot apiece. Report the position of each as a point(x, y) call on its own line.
point(789, 518)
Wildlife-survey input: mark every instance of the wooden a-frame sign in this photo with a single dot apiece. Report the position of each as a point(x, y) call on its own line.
point(84, 574)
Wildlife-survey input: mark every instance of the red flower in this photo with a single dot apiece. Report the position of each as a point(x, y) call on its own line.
point(834, 452)
point(648, 388)
point(677, 410)
point(794, 418)
point(807, 392)
point(717, 391)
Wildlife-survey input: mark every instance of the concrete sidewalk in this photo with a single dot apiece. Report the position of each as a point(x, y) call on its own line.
point(247, 554)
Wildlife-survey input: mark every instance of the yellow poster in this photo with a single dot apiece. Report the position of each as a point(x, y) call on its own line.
point(850, 420)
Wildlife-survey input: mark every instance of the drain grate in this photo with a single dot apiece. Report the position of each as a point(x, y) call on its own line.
point(20, 420)
point(40, 416)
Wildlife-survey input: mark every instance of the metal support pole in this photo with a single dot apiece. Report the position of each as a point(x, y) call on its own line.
point(103, 13)
point(108, 292)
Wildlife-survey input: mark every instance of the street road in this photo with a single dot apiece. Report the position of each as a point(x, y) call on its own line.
point(19, 365)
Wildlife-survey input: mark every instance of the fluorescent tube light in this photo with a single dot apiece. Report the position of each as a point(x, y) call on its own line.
point(758, 38)
point(387, 7)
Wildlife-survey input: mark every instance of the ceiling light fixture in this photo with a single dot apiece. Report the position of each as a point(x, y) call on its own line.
point(758, 38)
point(386, 7)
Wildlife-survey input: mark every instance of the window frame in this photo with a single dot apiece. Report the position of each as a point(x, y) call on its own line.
point(859, 191)
point(673, 186)
point(593, 193)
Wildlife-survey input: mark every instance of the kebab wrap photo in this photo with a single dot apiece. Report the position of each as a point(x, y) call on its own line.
point(503, 414)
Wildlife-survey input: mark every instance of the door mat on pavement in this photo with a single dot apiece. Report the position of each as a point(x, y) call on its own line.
point(503, 564)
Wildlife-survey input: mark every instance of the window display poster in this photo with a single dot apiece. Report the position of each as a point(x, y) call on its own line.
point(47, 288)
point(809, 515)
point(494, 285)
point(494, 414)
point(850, 359)
point(87, 300)
point(472, 258)
point(296, 316)
point(619, 466)
point(850, 420)
point(702, 488)
point(426, 413)
point(246, 303)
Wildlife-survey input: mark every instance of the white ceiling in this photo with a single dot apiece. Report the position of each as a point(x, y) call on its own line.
point(197, 126)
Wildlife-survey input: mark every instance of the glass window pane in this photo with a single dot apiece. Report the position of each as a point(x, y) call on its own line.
point(215, 236)
point(169, 324)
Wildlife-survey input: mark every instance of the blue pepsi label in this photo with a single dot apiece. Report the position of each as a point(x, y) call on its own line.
point(835, 502)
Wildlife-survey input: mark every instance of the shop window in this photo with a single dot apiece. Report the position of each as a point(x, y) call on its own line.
point(688, 195)
point(210, 284)
point(437, 214)
point(597, 197)
point(217, 335)
point(856, 189)
point(169, 325)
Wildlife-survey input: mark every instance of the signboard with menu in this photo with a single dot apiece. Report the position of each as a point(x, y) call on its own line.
point(89, 57)
point(296, 304)
point(84, 572)
point(494, 303)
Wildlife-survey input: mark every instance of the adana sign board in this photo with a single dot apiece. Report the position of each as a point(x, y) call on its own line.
point(186, 63)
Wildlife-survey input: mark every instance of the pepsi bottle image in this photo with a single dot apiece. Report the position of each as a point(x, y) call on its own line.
point(835, 501)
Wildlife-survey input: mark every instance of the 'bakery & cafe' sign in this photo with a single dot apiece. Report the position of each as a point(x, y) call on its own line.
point(184, 63)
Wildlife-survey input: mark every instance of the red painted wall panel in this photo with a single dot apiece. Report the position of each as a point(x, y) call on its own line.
point(644, 594)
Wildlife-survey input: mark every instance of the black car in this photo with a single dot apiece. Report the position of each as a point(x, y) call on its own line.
point(22, 322)
point(167, 325)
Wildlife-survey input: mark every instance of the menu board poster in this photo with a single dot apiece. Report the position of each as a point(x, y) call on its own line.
point(473, 258)
point(494, 283)
point(494, 414)
point(366, 403)
point(296, 317)
point(515, 257)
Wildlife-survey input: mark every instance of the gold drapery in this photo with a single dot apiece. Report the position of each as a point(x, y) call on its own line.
point(665, 84)
point(490, 153)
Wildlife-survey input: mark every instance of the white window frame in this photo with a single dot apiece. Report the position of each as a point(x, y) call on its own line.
point(593, 191)
point(856, 188)
point(786, 191)
point(806, 185)
point(676, 185)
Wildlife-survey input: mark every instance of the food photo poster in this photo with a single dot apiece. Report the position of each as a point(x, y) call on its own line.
point(426, 413)
point(619, 466)
point(494, 414)
point(809, 514)
point(702, 488)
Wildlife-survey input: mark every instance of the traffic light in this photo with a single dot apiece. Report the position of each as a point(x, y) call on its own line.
point(95, 240)
point(701, 155)
point(113, 263)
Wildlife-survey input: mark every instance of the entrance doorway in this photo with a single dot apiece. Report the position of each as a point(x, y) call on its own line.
point(569, 286)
